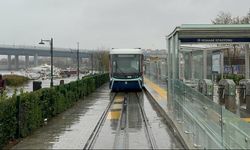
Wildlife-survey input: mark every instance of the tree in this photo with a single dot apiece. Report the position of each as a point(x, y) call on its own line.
point(227, 18)
point(223, 18)
point(246, 19)
point(101, 60)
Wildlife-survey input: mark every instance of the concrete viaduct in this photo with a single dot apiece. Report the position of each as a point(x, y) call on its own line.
point(35, 51)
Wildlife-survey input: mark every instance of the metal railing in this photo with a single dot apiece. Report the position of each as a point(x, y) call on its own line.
point(39, 48)
point(204, 123)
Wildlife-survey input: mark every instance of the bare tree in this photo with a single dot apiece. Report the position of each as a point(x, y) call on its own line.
point(223, 18)
point(101, 60)
point(227, 18)
point(246, 19)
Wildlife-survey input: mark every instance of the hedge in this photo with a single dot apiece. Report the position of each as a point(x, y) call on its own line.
point(21, 114)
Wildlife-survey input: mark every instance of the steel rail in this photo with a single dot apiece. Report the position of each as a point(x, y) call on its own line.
point(149, 133)
point(92, 138)
point(121, 127)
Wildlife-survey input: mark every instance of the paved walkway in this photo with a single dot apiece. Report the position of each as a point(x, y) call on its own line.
point(72, 128)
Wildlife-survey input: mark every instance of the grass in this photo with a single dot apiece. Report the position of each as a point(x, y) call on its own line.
point(15, 80)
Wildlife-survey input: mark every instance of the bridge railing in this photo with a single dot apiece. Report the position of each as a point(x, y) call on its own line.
point(39, 48)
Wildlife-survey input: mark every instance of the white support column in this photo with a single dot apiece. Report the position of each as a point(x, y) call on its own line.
point(191, 65)
point(35, 60)
point(169, 75)
point(173, 58)
point(204, 64)
point(26, 61)
point(247, 65)
point(177, 55)
point(9, 62)
point(16, 62)
point(221, 64)
point(181, 67)
point(169, 61)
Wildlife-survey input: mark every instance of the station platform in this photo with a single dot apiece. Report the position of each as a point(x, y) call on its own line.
point(158, 92)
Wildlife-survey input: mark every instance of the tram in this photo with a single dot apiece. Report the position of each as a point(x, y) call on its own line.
point(126, 69)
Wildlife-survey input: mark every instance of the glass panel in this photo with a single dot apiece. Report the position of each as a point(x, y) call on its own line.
point(209, 65)
point(200, 120)
point(156, 71)
point(198, 64)
point(235, 131)
point(200, 117)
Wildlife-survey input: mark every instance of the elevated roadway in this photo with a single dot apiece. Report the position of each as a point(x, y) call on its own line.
point(36, 52)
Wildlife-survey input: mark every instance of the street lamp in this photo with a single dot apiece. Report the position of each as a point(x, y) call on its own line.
point(51, 58)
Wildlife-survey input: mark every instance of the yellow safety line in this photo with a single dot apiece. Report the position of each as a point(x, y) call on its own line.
point(246, 119)
point(158, 89)
point(116, 108)
point(114, 115)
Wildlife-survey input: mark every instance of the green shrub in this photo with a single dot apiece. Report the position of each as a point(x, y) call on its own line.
point(15, 80)
point(235, 77)
point(8, 120)
point(21, 115)
point(30, 112)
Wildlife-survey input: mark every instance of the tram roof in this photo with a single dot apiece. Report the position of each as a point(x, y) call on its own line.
point(126, 51)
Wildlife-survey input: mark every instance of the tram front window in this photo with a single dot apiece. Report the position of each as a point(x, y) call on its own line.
point(126, 64)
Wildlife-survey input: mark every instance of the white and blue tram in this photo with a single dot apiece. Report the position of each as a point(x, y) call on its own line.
point(126, 69)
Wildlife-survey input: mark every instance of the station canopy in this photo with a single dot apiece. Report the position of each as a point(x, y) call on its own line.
point(217, 37)
point(209, 33)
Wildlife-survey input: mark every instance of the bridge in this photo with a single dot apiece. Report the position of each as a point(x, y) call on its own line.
point(36, 52)
point(181, 106)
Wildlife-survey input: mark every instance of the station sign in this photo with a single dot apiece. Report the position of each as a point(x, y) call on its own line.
point(214, 40)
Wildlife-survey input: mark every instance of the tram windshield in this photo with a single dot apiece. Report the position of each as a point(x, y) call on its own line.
point(126, 63)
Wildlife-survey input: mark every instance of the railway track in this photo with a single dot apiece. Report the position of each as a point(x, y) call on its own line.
point(132, 128)
point(148, 131)
point(122, 134)
point(91, 140)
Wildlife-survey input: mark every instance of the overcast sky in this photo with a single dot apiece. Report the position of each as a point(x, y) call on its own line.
point(105, 23)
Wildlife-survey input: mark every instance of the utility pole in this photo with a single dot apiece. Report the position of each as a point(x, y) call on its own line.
point(92, 62)
point(51, 59)
point(78, 61)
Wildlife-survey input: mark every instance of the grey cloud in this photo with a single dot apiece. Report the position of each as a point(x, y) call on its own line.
point(105, 23)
